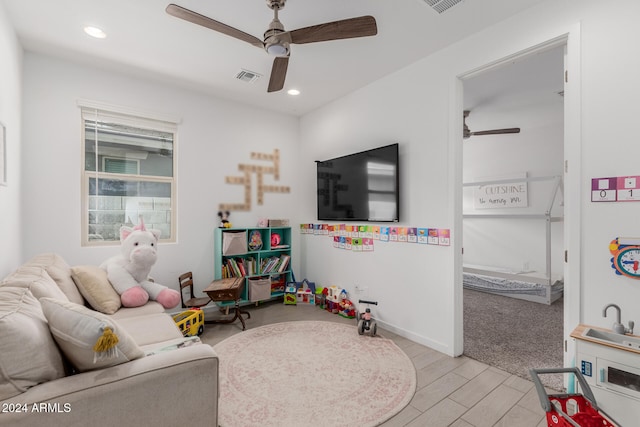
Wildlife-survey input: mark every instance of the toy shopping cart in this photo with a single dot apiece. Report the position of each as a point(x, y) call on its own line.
point(575, 410)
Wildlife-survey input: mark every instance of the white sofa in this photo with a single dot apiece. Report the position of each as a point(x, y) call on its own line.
point(52, 315)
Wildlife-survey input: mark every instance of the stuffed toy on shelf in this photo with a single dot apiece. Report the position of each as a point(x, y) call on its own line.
point(129, 271)
point(224, 219)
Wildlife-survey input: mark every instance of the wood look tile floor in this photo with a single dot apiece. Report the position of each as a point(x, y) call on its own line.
point(457, 392)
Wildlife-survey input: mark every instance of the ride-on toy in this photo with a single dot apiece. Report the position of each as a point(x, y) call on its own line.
point(365, 321)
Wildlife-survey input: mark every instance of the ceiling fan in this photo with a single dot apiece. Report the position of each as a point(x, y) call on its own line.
point(466, 133)
point(276, 40)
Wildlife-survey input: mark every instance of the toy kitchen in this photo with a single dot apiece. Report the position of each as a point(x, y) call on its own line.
point(609, 360)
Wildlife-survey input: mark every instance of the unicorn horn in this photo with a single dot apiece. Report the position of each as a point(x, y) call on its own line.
point(140, 226)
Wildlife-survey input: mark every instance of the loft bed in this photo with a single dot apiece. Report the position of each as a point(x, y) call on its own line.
point(534, 286)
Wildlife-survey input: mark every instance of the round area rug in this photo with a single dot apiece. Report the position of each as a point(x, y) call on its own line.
point(311, 373)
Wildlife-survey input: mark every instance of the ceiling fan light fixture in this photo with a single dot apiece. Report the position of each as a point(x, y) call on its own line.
point(277, 49)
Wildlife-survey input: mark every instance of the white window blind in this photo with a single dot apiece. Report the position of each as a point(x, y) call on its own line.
point(128, 173)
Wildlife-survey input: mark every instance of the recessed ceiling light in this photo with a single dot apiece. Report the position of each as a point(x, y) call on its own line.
point(95, 32)
point(293, 92)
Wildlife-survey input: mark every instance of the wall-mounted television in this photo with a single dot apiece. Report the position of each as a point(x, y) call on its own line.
point(362, 186)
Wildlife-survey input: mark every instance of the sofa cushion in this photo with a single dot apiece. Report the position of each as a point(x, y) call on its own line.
point(151, 328)
point(28, 353)
point(77, 330)
point(59, 271)
point(37, 280)
point(151, 307)
point(94, 286)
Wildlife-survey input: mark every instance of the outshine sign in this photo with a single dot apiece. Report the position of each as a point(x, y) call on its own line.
point(507, 192)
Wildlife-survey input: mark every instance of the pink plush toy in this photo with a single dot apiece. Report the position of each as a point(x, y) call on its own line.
point(129, 272)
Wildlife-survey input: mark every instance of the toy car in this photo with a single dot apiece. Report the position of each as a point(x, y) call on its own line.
point(190, 322)
point(365, 321)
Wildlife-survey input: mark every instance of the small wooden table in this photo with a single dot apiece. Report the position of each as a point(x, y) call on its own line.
point(229, 289)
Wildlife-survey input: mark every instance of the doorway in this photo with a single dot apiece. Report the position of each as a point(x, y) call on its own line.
point(529, 96)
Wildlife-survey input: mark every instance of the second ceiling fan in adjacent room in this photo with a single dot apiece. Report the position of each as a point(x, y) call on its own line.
point(466, 132)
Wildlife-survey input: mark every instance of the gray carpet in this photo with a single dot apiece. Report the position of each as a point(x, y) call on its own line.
point(514, 335)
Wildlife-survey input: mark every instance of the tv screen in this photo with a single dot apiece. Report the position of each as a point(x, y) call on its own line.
point(360, 187)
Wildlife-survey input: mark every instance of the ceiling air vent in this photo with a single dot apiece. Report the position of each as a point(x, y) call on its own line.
point(441, 6)
point(247, 76)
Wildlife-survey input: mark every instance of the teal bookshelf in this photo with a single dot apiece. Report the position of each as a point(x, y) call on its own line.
point(254, 262)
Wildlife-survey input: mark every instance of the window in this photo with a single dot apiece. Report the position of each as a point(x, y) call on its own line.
point(128, 173)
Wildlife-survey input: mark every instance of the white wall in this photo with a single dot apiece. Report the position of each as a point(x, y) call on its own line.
point(214, 136)
point(10, 116)
point(413, 283)
point(417, 285)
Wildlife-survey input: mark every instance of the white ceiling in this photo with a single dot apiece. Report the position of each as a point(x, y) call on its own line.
point(520, 93)
point(144, 40)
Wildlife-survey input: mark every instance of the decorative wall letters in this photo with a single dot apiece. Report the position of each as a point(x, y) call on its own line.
point(260, 172)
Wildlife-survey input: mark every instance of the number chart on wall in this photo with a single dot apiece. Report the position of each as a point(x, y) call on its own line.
point(616, 189)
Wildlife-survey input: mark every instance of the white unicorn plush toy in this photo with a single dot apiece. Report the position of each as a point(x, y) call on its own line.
point(129, 271)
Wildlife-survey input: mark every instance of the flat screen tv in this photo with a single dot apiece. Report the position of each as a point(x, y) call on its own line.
point(362, 186)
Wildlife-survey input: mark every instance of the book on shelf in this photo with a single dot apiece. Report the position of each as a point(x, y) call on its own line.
point(250, 266)
point(231, 271)
point(244, 267)
point(236, 267)
point(241, 269)
point(280, 247)
point(269, 264)
point(228, 270)
point(284, 262)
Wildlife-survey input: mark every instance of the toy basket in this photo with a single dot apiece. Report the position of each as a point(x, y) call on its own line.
point(571, 410)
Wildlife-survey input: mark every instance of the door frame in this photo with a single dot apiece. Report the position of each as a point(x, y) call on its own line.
point(572, 182)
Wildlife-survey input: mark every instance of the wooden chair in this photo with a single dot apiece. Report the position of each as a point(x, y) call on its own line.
point(186, 281)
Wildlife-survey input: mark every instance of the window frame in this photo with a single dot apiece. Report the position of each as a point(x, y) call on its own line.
point(124, 116)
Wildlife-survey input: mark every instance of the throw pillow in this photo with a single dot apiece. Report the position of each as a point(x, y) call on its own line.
point(93, 284)
point(59, 271)
point(90, 340)
point(37, 280)
point(28, 353)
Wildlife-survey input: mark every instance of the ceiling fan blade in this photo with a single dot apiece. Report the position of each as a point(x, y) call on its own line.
point(196, 18)
point(278, 73)
point(496, 132)
point(362, 26)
